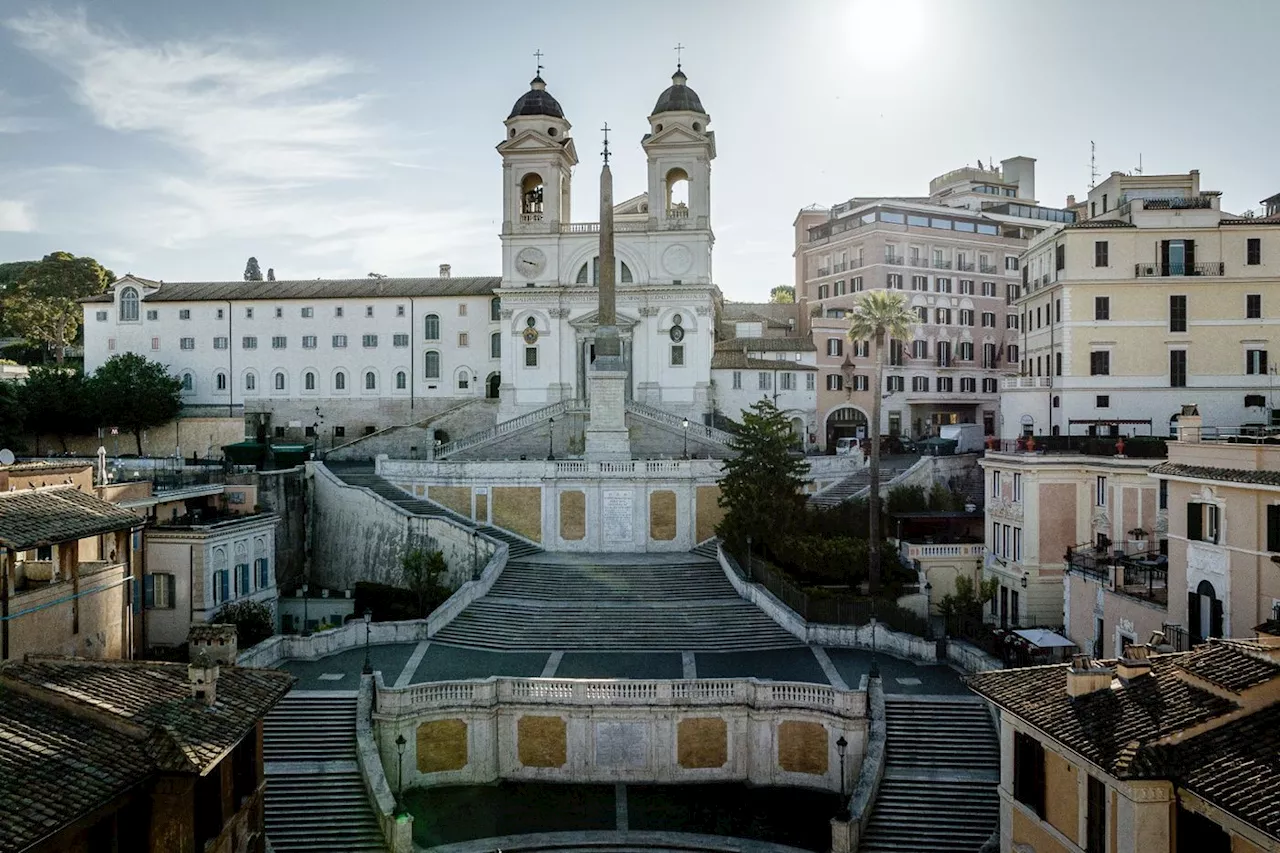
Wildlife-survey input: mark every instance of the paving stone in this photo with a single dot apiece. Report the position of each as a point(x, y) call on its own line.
point(619, 665)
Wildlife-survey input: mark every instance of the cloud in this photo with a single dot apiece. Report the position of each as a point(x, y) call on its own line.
point(16, 216)
point(11, 118)
point(241, 109)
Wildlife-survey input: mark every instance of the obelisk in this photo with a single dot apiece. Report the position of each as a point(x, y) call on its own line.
point(607, 437)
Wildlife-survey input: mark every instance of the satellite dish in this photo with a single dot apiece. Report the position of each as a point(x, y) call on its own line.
point(6, 457)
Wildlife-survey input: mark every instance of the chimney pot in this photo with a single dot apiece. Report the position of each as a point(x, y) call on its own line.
point(202, 677)
point(1085, 676)
point(1071, 200)
point(445, 270)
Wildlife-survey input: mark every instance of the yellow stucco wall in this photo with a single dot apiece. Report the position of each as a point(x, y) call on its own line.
point(1062, 794)
point(519, 509)
point(573, 515)
point(1028, 830)
point(541, 741)
point(442, 745)
point(802, 747)
point(708, 512)
point(662, 516)
point(456, 498)
point(702, 742)
point(1243, 845)
point(482, 507)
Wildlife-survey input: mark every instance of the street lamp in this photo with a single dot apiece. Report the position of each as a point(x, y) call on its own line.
point(475, 556)
point(928, 609)
point(368, 618)
point(685, 423)
point(306, 589)
point(748, 559)
point(551, 438)
point(841, 746)
point(400, 745)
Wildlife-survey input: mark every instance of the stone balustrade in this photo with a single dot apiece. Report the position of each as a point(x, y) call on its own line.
point(915, 551)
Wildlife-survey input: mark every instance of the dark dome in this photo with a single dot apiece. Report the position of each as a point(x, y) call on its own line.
point(678, 97)
point(538, 102)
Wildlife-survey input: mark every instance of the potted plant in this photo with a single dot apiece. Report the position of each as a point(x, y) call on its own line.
point(1138, 539)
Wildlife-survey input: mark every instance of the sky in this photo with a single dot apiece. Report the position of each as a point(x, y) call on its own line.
point(329, 138)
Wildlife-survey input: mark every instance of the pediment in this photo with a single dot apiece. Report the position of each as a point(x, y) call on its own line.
point(637, 205)
point(533, 142)
point(676, 134)
point(589, 321)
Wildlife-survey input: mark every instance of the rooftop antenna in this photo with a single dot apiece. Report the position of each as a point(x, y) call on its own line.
point(1138, 169)
point(679, 48)
point(1093, 165)
point(537, 54)
point(606, 143)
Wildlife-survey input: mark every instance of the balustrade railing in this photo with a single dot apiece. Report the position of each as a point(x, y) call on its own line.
point(504, 428)
point(988, 269)
point(694, 429)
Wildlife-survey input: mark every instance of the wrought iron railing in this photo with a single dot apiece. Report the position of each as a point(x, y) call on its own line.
point(1208, 268)
point(939, 264)
point(965, 266)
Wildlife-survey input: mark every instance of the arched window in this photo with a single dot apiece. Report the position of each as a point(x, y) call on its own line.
point(624, 273)
point(401, 380)
point(531, 196)
point(370, 381)
point(309, 381)
point(678, 194)
point(129, 305)
point(250, 382)
point(220, 381)
point(495, 309)
point(279, 380)
point(431, 362)
point(495, 345)
point(188, 382)
point(431, 327)
point(464, 379)
point(340, 381)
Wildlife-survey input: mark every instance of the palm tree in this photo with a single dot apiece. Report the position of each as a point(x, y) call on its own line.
point(878, 314)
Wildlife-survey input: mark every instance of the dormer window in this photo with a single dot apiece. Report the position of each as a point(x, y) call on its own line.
point(129, 305)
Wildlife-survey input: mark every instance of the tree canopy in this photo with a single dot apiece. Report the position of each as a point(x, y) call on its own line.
point(783, 293)
point(55, 402)
point(271, 274)
point(9, 273)
point(43, 303)
point(762, 486)
point(133, 393)
point(252, 272)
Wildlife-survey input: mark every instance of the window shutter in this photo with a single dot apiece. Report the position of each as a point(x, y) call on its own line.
point(1195, 517)
point(1215, 617)
point(1273, 528)
point(1193, 614)
point(149, 590)
point(224, 584)
point(1191, 254)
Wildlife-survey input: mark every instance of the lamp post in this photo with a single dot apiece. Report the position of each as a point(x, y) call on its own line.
point(841, 746)
point(928, 608)
point(551, 438)
point(400, 745)
point(368, 618)
point(685, 424)
point(475, 556)
point(748, 559)
point(306, 589)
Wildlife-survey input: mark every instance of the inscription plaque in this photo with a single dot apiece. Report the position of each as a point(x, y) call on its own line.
point(617, 515)
point(622, 744)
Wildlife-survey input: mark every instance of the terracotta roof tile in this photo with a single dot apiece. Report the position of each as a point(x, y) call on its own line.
point(737, 360)
point(349, 288)
point(767, 345)
point(1224, 666)
point(30, 518)
point(1226, 475)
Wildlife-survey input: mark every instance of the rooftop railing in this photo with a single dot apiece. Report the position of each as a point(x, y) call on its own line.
point(1209, 268)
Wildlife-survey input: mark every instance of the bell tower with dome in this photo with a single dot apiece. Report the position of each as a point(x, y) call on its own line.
point(680, 148)
point(537, 158)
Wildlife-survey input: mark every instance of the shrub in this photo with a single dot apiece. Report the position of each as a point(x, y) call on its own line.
point(254, 621)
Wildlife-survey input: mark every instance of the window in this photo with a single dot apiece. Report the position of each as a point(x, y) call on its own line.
point(279, 312)
point(988, 320)
point(308, 341)
point(1102, 401)
point(308, 313)
point(677, 355)
point(1100, 253)
point(763, 381)
point(221, 586)
point(989, 386)
point(369, 341)
point(279, 380)
point(400, 340)
point(462, 309)
point(1273, 526)
point(1059, 257)
point(861, 349)
point(835, 382)
point(942, 316)
point(810, 382)
point(495, 309)
point(530, 356)
point(1100, 363)
point(431, 364)
point(988, 288)
point(920, 282)
point(220, 314)
point(823, 291)
point(337, 311)
point(1253, 306)
point(1177, 368)
point(309, 381)
point(279, 342)
point(339, 432)
point(1202, 522)
point(370, 381)
point(101, 316)
point(1177, 313)
point(249, 342)
point(966, 287)
point(922, 313)
point(243, 584)
point(431, 327)
point(1017, 487)
point(966, 351)
point(1057, 364)
point(158, 591)
point(187, 343)
point(737, 380)
point(1010, 263)
point(787, 382)
point(995, 483)
point(1012, 353)
point(919, 349)
point(129, 305)
point(339, 383)
point(339, 341)
point(895, 384)
point(1255, 361)
point(183, 314)
point(942, 285)
point(221, 343)
point(1011, 321)
point(1028, 772)
point(220, 381)
point(1016, 554)
point(248, 313)
point(946, 384)
point(1102, 307)
point(1100, 492)
point(262, 572)
point(861, 383)
point(919, 383)
point(944, 353)
point(188, 382)
point(402, 381)
point(1253, 254)
point(250, 382)
point(894, 281)
point(368, 310)
point(966, 316)
point(968, 385)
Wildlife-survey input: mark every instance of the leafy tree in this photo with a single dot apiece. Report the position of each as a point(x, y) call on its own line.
point(12, 415)
point(966, 602)
point(56, 401)
point(43, 303)
point(783, 293)
point(252, 272)
point(271, 274)
point(762, 486)
point(253, 620)
point(9, 273)
point(135, 394)
point(426, 574)
point(878, 314)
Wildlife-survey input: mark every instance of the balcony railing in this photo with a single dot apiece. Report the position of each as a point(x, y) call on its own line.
point(1176, 203)
point(896, 260)
point(964, 266)
point(840, 267)
point(939, 264)
point(1143, 576)
point(1168, 270)
point(988, 269)
point(1013, 382)
point(677, 213)
point(1134, 447)
point(531, 217)
point(821, 271)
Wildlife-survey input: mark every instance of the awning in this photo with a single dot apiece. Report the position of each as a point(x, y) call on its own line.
point(1044, 638)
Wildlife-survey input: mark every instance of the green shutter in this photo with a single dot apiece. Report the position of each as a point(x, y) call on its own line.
point(1195, 519)
point(1273, 528)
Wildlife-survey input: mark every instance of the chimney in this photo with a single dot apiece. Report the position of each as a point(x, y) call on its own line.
point(1086, 676)
point(444, 270)
point(202, 676)
point(1071, 200)
point(1189, 424)
point(1135, 663)
point(216, 641)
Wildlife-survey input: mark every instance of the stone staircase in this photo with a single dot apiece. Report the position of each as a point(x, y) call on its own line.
point(613, 602)
point(507, 427)
point(859, 481)
point(942, 769)
point(363, 475)
point(315, 798)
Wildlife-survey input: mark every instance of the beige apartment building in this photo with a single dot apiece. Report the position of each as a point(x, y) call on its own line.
point(1157, 297)
point(955, 255)
point(1041, 506)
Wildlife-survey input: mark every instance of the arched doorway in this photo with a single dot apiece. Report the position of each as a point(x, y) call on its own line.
point(797, 432)
point(1204, 612)
point(491, 385)
point(845, 422)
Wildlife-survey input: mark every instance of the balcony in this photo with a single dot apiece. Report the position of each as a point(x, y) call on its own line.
point(1210, 268)
point(677, 213)
point(1142, 575)
point(1132, 447)
point(840, 267)
point(896, 260)
point(964, 266)
point(939, 264)
point(527, 218)
point(988, 269)
point(1014, 382)
point(821, 271)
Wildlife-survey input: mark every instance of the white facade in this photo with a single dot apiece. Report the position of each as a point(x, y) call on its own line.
point(193, 569)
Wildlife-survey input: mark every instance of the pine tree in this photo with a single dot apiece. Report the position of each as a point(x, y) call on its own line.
point(252, 272)
point(271, 274)
point(762, 490)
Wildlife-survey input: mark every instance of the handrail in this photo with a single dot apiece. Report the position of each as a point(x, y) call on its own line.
point(505, 428)
point(675, 421)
